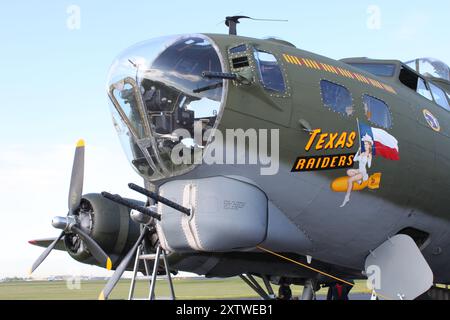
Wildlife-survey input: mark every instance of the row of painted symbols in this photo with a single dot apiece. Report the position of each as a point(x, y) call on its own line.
point(312, 64)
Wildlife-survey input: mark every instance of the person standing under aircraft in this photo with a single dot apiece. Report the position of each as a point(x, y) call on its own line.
point(284, 292)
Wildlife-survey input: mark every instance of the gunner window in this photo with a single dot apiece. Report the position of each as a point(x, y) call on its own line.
point(270, 71)
point(377, 112)
point(337, 98)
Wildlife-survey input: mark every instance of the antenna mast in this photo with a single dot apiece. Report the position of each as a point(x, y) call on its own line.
point(232, 21)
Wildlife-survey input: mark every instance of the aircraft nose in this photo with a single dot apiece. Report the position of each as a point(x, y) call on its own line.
point(159, 97)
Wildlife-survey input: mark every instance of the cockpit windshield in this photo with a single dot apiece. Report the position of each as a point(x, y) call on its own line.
point(430, 67)
point(158, 96)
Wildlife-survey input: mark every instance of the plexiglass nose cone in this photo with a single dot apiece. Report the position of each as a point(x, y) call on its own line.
point(159, 98)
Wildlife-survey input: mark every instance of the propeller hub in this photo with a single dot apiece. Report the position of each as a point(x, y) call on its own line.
point(63, 223)
point(70, 224)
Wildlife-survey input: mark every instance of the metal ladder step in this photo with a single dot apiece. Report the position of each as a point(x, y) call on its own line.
point(158, 258)
point(150, 257)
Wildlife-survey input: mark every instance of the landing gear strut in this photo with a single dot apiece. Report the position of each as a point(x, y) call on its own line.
point(252, 283)
point(309, 292)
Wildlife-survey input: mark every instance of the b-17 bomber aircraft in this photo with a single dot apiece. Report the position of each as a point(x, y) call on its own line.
point(262, 160)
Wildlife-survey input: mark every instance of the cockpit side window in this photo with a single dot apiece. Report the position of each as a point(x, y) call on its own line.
point(439, 96)
point(423, 90)
point(270, 72)
point(415, 83)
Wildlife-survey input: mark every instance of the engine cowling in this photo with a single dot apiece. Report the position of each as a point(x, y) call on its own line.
point(109, 224)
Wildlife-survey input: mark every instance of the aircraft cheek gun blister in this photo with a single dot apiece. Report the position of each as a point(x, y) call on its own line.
point(226, 214)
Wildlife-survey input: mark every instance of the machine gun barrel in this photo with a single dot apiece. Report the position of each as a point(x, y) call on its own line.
point(219, 75)
point(127, 203)
point(158, 198)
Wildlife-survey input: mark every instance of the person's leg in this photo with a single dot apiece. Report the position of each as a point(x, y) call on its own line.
point(352, 180)
point(330, 293)
point(356, 177)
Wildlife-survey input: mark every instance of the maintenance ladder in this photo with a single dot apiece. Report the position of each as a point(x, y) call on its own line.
point(156, 257)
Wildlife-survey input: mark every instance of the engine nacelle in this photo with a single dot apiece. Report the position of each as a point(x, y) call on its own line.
point(109, 224)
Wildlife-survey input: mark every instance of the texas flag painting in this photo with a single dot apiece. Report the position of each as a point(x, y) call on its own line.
point(384, 144)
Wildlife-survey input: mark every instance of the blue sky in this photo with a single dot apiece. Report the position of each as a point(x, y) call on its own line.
point(52, 87)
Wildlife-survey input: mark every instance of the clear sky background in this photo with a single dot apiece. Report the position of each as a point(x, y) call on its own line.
point(52, 88)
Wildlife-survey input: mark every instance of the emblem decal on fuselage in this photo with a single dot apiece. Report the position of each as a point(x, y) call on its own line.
point(431, 120)
point(372, 141)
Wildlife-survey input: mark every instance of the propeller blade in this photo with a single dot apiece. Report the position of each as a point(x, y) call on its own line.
point(96, 251)
point(76, 181)
point(45, 253)
point(121, 268)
